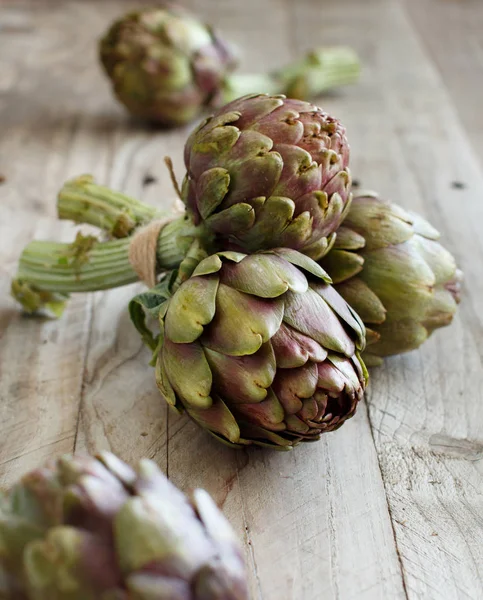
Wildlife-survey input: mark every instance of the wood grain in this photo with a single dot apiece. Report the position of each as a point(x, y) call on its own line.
point(391, 505)
point(425, 408)
point(450, 31)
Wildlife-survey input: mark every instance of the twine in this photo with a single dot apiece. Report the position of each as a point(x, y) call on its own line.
point(142, 250)
point(143, 246)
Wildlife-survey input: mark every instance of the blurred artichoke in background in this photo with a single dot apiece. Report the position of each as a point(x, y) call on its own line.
point(87, 528)
point(266, 171)
point(168, 67)
point(260, 349)
point(164, 64)
point(389, 266)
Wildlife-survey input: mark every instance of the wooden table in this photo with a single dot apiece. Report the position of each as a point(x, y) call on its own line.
point(389, 507)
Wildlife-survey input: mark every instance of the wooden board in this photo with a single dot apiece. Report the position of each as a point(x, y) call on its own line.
point(391, 505)
point(450, 31)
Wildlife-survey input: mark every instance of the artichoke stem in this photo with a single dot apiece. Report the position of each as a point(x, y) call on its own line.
point(83, 201)
point(320, 70)
point(240, 85)
point(87, 267)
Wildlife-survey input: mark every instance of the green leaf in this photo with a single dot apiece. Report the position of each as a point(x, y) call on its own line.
point(153, 303)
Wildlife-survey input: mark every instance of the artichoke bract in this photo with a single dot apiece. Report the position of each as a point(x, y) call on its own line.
point(267, 171)
point(260, 349)
point(85, 528)
point(164, 64)
point(389, 265)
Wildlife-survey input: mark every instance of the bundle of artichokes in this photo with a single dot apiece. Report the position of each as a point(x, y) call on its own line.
point(254, 342)
point(168, 67)
point(85, 528)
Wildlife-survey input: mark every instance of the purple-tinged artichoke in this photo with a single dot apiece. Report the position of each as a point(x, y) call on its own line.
point(84, 528)
point(164, 64)
point(389, 265)
point(266, 172)
point(259, 349)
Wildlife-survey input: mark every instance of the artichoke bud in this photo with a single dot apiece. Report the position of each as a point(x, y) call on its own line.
point(152, 540)
point(266, 172)
point(165, 65)
point(389, 265)
point(261, 349)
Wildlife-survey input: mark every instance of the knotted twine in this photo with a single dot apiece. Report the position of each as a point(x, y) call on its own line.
point(144, 243)
point(142, 250)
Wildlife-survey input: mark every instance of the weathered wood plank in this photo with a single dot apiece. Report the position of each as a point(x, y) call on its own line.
point(41, 144)
point(41, 366)
point(426, 407)
point(57, 119)
point(451, 33)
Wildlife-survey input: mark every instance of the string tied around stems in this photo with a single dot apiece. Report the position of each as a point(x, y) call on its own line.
point(143, 246)
point(142, 250)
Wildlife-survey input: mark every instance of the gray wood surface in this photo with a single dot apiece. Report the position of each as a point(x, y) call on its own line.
point(390, 506)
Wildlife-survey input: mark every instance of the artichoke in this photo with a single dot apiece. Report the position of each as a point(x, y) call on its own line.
point(168, 67)
point(266, 172)
point(389, 266)
point(259, 349)
point(86, 528)
point(164, 64)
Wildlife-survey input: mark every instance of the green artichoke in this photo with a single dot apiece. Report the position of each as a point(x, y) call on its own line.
point(164, 64)
point(260, 349)
point(266, 172)
point(86, 528)
point(389, 266)
point(168, 67)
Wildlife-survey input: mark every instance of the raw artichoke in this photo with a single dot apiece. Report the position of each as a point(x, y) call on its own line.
point(266, 172)
point(168, 67)
point(259, 349)
point(389, 266)
point(87, 528)
point(164, 64)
